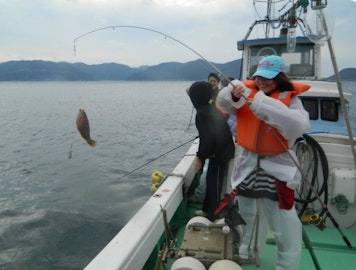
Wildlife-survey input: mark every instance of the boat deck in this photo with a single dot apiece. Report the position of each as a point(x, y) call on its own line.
point(322, 249)
point(329, 249)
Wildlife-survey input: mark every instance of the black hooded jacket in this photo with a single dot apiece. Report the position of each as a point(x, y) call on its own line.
point(215, 141)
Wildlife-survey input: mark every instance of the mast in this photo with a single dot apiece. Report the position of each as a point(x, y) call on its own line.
point(268, 17)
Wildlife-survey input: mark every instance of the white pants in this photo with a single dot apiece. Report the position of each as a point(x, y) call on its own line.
point(284, 224)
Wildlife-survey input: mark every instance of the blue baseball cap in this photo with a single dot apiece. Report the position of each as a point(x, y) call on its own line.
point(270, 66)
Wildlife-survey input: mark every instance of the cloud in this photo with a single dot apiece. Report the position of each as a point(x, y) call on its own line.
point(50, 26)
point(42, 29)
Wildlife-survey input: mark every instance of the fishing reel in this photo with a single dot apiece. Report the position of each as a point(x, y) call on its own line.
point(313, 219)
point(229, 210)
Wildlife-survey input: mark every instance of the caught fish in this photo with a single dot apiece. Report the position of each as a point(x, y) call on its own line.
point(84, 128)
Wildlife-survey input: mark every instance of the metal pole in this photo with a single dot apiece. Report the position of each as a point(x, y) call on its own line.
point(339, 87)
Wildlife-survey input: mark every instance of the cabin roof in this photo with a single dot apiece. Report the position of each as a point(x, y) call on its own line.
point(322, 89)
point(276, 40)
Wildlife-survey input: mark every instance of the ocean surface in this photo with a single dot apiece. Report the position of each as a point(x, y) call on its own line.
point(61, 201)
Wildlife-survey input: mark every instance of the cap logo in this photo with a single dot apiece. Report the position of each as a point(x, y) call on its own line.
point(271, 65)
point(266, 64)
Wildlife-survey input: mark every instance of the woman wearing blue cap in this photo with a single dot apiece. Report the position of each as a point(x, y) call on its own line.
point(270, 117)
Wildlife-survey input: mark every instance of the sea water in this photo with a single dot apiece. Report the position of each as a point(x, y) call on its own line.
point(62, 201)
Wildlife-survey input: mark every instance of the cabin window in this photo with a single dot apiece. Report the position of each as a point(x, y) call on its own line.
point(301, 70)
point(329, 110)
point(311, 106)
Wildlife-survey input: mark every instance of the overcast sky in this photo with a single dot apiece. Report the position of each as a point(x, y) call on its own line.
point(45, 30)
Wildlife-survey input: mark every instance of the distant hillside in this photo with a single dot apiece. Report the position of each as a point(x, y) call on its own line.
point(38, 70)
point(347, 74)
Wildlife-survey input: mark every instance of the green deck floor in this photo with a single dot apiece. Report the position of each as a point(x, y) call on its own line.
point(329, 249)
point(267, 260)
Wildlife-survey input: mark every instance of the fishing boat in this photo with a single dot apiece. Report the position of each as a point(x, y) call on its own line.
point(165, 234)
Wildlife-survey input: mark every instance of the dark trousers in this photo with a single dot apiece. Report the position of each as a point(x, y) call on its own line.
point(214, 181)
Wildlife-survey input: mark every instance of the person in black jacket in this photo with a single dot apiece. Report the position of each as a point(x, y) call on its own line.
point(215, 143)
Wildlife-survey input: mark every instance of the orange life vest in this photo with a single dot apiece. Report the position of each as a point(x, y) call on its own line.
point(257, 136)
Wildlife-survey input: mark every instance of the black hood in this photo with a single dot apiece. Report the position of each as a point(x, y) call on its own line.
point(201, 93)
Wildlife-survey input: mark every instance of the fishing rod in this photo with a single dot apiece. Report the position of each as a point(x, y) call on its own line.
point(148, 162)
point(324, 206)
point(157, 32)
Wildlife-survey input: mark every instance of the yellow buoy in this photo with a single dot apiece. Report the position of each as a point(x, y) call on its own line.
point(154, 187)
point(157, 177)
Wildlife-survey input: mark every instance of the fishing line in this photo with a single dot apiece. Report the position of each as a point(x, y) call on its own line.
point(191, 117)
point(70, 151)
point(154, 31)
point(148, 162)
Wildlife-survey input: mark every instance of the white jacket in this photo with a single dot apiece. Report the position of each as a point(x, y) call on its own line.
point(291, 122)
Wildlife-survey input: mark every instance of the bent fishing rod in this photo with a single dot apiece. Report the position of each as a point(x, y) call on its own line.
point(157, 32)
point(165, 36)
point(158, 157)
point(227, 79)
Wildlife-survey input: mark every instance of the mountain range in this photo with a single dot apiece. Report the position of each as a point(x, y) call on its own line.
point(38, 70)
